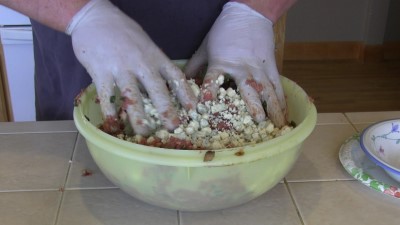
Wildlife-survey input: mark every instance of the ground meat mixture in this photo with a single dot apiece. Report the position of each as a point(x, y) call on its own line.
point(216, 124)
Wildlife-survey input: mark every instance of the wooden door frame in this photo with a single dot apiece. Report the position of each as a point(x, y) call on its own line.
point(5, 106)
point(279, 35)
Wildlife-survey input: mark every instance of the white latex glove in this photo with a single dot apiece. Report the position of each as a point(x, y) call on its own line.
point(116, 50)
point(241, 44)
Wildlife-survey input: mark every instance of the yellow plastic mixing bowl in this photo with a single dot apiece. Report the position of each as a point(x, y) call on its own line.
point(182, 179)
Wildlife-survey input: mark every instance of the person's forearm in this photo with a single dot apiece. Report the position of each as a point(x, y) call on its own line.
point(272, 9)
point(53, 13)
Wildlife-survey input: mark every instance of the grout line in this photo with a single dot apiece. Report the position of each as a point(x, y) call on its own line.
point(294, 202)
point(59, 189)
point(351, 123)
point(178, 214)
point(91, 188)
point(322, 180)
point(38, 132)
point(28, 190)
point(62, 188)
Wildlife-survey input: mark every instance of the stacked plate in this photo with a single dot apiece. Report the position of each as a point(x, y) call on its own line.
point(373, 157)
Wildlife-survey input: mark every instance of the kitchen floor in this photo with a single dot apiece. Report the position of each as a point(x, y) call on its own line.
point(348, 86)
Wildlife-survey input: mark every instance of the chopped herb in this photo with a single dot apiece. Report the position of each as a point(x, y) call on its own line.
point(112, 99)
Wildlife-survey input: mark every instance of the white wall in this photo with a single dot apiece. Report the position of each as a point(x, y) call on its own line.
point(341, 20)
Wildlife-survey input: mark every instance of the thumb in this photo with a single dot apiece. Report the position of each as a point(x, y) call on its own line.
point(198, 62)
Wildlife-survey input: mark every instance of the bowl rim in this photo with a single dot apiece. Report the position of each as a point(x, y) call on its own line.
point(190, 158)
point(372, 156)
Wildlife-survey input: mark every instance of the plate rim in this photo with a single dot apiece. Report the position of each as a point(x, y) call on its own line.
point(368, 180)
point(377, 160)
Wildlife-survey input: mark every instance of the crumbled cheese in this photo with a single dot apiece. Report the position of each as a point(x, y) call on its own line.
point(231, 93)
point(221, 123)
point(247, 119)
point(204, 123)
point(220, 80)
point(162, 134)
point(218, 108)
point(189, 130)
point(202, 109)
point(178, 130)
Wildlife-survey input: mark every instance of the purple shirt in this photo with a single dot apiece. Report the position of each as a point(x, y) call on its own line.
point(176, 26)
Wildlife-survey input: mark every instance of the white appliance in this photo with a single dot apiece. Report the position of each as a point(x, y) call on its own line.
point(16, 41)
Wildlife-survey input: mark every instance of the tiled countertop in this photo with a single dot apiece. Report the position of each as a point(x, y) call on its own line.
point(41, 183)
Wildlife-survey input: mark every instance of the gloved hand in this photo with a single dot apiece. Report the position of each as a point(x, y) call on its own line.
point(114, 49)
point(241, 44)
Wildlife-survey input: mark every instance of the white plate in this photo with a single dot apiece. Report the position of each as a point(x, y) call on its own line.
point(364, 170)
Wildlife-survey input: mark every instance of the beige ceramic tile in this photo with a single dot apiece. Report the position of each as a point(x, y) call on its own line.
point(371, 117)
point(331, 118)
point(319, 159)
point(361, 126)
point(362, 120)
point(35, 161)
point(110, 207)
point(84, 172)
point(37, 127)
point(344, 202)
point(29, 208)
point(274, 207)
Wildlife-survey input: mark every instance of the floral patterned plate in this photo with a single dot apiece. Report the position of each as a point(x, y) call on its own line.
point(381, 144)
point(364, 170)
